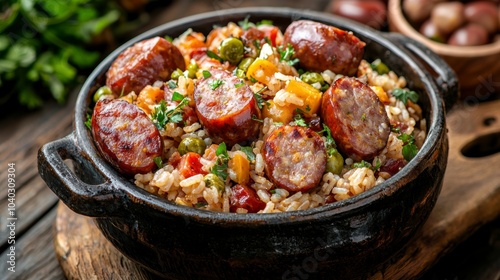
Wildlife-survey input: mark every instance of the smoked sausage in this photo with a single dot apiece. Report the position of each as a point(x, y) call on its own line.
point(295, 158)
point(356, 117)
point(321, 47)
point(226, 106)
point(125, 136)
point(142, 64)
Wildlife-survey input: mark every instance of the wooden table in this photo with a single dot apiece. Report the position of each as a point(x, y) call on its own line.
point(464, 255)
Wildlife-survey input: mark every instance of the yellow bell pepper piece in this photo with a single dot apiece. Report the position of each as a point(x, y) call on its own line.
point(241, 167)
point(261, 70)
point(281, 114)
point(310, 96)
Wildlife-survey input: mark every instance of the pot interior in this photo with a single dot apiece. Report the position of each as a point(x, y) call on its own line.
point(377, 46)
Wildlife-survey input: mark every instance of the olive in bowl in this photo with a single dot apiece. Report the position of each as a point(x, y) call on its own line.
point(346, 239)
point(465, 34)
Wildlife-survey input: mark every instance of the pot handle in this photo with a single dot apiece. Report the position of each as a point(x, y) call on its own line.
point(96, 198)
point(446, 79)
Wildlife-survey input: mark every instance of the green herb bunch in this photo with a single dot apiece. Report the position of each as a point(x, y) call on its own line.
point(45, 45)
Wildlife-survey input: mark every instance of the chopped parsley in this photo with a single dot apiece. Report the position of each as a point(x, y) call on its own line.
point(362, 164)
point(245, 24)
point(404, 95)
point(410, 150)
point(258, 97)
point(248, 152)
point(88, 122)
point(215, 84)
point(254, 118)
point(240, 84)
point(177, 96)
point(213, 55)
point(158, 161)
point(206, 74)
point(286, 54)
point(221, 164)
point(172, 84)
point(299, 120)
point(331, 147)
point(163, 115)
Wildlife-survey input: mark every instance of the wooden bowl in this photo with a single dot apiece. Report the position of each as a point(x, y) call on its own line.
point(477, 67)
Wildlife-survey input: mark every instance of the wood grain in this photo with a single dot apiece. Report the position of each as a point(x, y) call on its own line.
point(469, 199)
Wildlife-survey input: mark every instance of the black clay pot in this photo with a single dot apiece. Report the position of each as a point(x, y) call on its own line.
point(345, 240)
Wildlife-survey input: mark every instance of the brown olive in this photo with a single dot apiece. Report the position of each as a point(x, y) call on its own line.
point(429, 30)
point(448, 16)
point(470, 35)
point(370, 12)
point(417, 10)
point(483, 13)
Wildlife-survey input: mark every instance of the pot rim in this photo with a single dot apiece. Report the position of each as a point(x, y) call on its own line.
point(137, 195)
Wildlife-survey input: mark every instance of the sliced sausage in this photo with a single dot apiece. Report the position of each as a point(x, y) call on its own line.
point(142, 64)
point(295, 158)
point(125, 136)
point(227, 108)
point(320, 47)
point(358, 120)
point(245, 197)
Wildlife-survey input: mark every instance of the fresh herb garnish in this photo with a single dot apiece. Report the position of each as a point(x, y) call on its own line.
point(331, 147)
point(248, 152)
point(176, 96)
point(163, 115)
point(299, 120)
point(158, 161)
point(410, 150)
point(254, 118)
point(404, 95)
point(221, 163)
point(258, 97)
point(240, 84)
point(215, 84)
point(287, 53)
point(245, 24)
point(88, 122)
point(172, 84)
point(213, 55)
point(206, 74)
point(362, 164)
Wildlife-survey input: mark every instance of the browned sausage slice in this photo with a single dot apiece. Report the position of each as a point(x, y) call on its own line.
point(295, 158)
point(356, 117)
point(142, 64)
point(337, 50)
point(226, 107)
point(125, 136)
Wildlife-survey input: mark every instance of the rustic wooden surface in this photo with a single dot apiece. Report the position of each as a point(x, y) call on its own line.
point(23, 133)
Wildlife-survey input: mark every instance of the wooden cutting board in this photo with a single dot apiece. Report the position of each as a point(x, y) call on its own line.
point(469, 199)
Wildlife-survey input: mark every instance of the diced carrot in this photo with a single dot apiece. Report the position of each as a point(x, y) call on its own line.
point(241, 167)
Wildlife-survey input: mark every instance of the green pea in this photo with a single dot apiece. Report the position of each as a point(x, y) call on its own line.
point(245, 63)
point(380, 67)
point(232, 50)
point(192, 68)
point(212, 180)
point(176, 74)
point(312, 77)
point(102, 91)
point(192, 144)
point(335, 163)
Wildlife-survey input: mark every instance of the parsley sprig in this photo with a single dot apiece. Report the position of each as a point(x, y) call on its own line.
point(287, 53)
point(404, 95)
point(162, 114)
point(409, 148)
point(221, 164)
